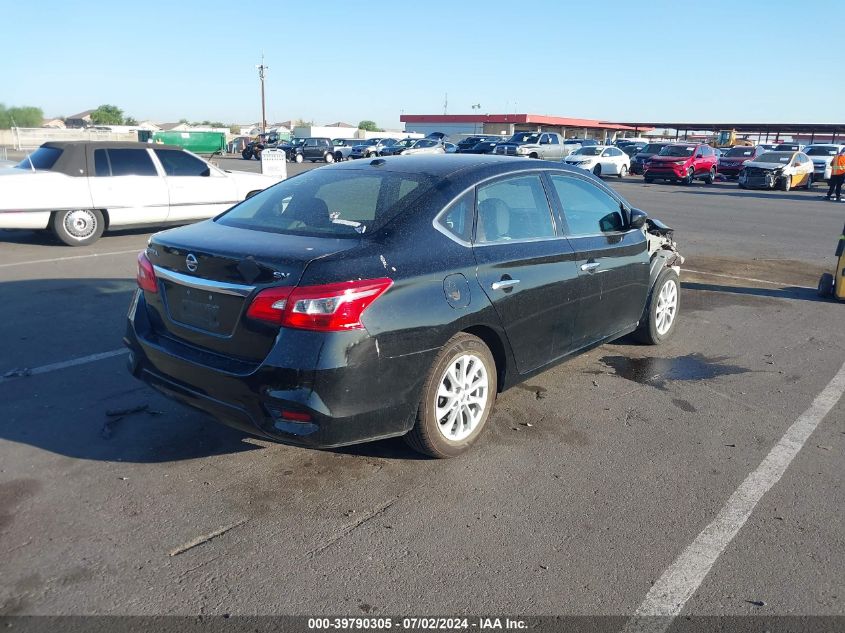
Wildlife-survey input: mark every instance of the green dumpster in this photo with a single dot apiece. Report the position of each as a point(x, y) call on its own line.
point(196, 142)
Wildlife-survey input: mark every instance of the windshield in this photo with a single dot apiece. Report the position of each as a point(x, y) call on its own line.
point(822, 150)
point(406, 142)
point(774, 157)
point(739, 152)
point(425, 142)
point(682, 151)
point(526, 137)
point(587, 151)
point(42, 158)
point(652, 148)
point(327, 203)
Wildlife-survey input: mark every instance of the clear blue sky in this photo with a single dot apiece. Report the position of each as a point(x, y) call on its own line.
point(351, 60)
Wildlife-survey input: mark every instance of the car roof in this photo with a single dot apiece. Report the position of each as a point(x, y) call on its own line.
point(108, 145)
point(445, 165)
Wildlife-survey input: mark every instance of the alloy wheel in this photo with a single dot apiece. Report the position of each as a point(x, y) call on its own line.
point(461, 397)
point(667, 306)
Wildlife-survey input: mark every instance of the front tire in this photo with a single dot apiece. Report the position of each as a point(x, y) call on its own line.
point(661, 311)
point(787, 183)
point(78, 227)
point(246, 154)
point(298, 158)
point(690, 175)
point(457, 398)
point(597, 171)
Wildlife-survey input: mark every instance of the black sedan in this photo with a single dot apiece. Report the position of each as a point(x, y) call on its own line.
point(484, 147)
point(395, 296)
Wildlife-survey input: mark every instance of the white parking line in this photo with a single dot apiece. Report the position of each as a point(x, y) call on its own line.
point(680, 581)
point(44, 369)
point(759, 281)
point(64, 259)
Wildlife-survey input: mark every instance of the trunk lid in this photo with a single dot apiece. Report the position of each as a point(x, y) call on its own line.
point(208, 274)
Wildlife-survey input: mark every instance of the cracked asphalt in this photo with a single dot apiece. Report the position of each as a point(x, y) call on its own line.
point(590, 481)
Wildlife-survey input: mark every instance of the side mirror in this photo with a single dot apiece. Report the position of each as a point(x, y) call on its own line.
point(638, 219)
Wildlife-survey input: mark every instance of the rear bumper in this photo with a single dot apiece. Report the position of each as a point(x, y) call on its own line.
point(349, 397)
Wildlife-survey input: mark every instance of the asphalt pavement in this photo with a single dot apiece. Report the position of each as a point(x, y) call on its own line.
point(592, 481)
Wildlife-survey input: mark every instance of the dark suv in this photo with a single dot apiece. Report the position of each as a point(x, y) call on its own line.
point(639, 159)
point(682, 162)
point(314, 149)
point(732, 160)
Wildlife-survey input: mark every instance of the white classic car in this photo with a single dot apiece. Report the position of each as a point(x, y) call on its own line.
point(79, 189)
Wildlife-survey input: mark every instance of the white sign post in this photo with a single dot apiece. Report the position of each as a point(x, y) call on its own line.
point(274, 163)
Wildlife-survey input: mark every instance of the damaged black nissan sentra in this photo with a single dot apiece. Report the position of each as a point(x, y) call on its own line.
point(395, 296)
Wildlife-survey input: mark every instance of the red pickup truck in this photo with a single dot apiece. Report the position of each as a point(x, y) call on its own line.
point(682, 162)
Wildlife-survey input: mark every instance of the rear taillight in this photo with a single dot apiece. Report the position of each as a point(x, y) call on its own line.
point(146, 277)
point(327, 308)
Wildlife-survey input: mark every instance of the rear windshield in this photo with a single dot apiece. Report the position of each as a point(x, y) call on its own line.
point(42, 158)
point(678, 150)
point(329, 203)
point(738, 152)
point(822, 150)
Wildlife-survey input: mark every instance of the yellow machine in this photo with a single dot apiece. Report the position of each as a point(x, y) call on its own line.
point(727, 138)
point(834, 286)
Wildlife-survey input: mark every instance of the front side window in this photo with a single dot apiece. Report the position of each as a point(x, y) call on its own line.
point(129, 162)
point(588, 210)
point(513, 209)
point(178, 163)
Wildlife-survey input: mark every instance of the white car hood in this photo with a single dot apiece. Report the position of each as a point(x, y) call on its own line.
point(766, 165)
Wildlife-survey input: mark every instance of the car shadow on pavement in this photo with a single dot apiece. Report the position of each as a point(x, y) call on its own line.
point(804, 196)
point(94, 410)
point(787, 292)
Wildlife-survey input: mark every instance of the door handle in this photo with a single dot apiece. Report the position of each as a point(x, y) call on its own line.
point(590, 266)
point(504, 284)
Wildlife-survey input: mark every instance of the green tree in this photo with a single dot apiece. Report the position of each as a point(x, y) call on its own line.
point(369, 126)
point(107, 115)
point(21, 116)
point(130, 121)
point(234, 129)
point(302, 123)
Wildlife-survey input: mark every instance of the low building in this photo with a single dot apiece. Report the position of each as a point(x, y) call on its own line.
point(80, 119)
point(457, 125)
point(56, 124)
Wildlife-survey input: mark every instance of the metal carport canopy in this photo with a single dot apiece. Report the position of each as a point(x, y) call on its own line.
point(801, 128)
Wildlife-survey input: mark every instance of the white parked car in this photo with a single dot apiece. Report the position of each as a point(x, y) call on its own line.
point(425, 146)
point(79, 189)
point(822, 156)
point(602, 160)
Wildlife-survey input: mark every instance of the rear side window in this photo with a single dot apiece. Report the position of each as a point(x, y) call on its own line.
point(513, 209)
point(42, 158)
point(123, 162)
point(331, 203)
point(457, 218)
point(588, 210)
point(178, 163)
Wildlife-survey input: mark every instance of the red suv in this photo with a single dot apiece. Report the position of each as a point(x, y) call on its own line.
point(682, 162)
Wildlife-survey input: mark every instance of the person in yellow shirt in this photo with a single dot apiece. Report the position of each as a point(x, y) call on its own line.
point(837, 175)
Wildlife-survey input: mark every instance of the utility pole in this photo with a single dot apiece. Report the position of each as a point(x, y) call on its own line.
point(446, 103)
point(261, 70)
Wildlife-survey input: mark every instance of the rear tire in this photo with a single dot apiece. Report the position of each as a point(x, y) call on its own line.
point(298, 158)
point(457, 398)
point(78, 227)
point(597, 171)
point(809, 182)
point(623, 171)
point(826, 285)
point(338, 157)
point(711, 177)
point(661, 310)
point(648, 181)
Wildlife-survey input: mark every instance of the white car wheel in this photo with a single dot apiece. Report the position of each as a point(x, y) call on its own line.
point(78, 227)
